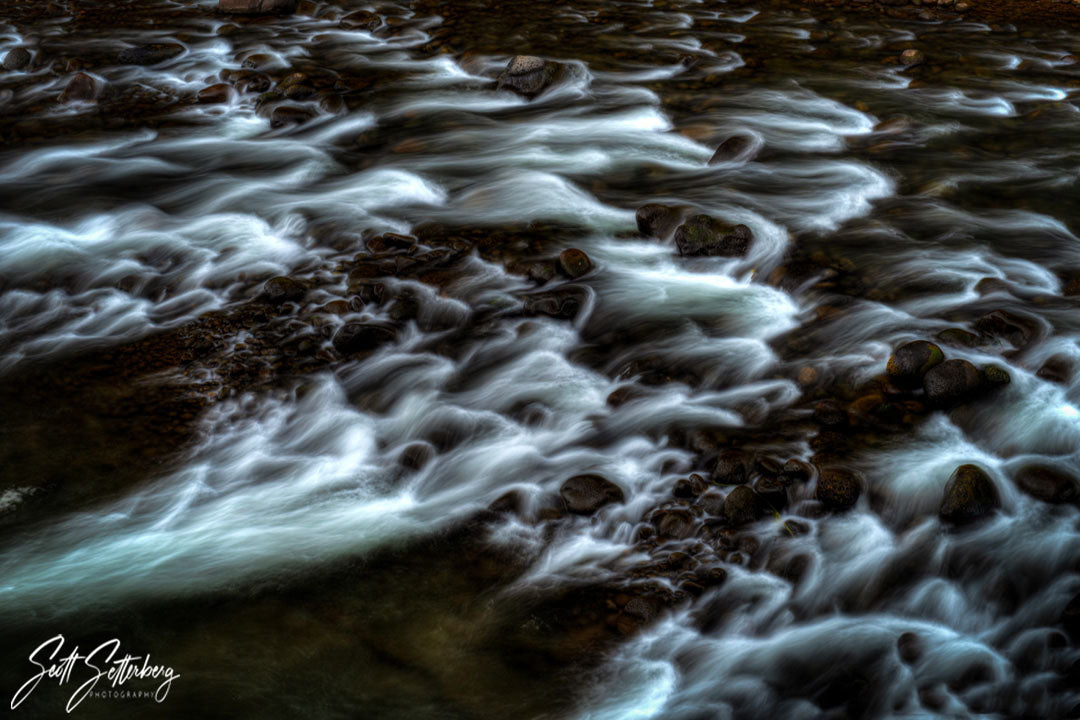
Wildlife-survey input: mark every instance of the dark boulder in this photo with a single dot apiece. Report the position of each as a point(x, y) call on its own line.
point(585, 494)
point(16, 58)
point(658, 221)
point(911, 647)
point(704, 235)
point(911, 361)
point(1047, 483)
point(969, 494)
point(732, 467)
point(1058, 368)
point(674, 524)
point(837, 489)
point(736, 147)
point(257, 7)
point(416, 455)
point(151, 54)
point(355, 337)
point(742, 506)
point(574, 263)
point(528, 75)
point(215, 94)
point(796, 471)
point(289, 115)
point(81, 88)
point(952, 382)
point(282, 289)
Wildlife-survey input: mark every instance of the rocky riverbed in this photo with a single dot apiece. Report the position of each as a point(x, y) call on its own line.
point(601, 360)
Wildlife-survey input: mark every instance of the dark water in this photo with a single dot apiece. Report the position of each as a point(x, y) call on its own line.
point(266, 531)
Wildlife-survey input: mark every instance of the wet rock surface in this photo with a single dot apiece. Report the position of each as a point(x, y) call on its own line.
point(725, 402)
point(969, 495)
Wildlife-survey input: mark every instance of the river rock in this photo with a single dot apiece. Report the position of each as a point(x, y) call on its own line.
point(151, 54)
point(574, 263)
point(81, 88)
point(1058, 368)
point(742, 506)
point(528, 75)
point(289, 115)
point(561, 304)
point(837, 488)
point(355, 337)
point(796, 470)
point(16, 58)
point(969, 494)
point(911, 647)
point(704, 235)
point(282, 289)
point(910, 361)
point(732, 467)
point(951, 382)
point(361, 20)
point(215, 94)
point(257, 7)
point(658, 221)
point(736, 147)
point(1047, 483)
point(585, 494)
point(911, 57)
point(674, 524)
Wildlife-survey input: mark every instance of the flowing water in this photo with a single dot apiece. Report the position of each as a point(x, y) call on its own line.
point(286, 551)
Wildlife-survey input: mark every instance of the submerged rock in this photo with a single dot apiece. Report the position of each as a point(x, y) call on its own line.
point(528, 75)
point(1015, 329)
point(361, 20)
point(732, 467)
point(911, 361)
point(742, 506)
point(215, 94)
point(81, 88)
point(704, 235)
point(585, 494)
point(736, 147)
point(1047, 483)
point(282, 289)
point(994, 376)
point(574, 263)
point(951, 382)
point(1058, 368)
point(674, 524)
point(838, 489)
point(357, 337)
point(151, 54)
point(257, 7)
point(912, 57)
point(969, 494)
point(289, 115)
point(16, 58)
point(658, 221)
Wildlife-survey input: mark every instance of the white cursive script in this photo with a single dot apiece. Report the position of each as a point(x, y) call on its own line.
point(104, 661)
